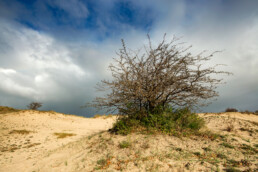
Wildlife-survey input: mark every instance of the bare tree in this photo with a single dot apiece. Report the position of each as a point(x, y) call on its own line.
point(34, 105)
point(165, 75)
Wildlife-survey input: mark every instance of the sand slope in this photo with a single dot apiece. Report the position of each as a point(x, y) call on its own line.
point(89, 149)
point(20, 151)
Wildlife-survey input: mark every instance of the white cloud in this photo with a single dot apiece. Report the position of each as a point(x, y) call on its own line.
point(10, 86)
point(35, 65)
point(7, 71)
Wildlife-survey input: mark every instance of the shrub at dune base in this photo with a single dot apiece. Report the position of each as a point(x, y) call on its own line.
point(172, 122)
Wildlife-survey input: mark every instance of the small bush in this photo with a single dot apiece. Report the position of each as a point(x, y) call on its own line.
point(168, 121)
point(102, 162)
point(230, 124)
point(231, 110)
point(124, 144)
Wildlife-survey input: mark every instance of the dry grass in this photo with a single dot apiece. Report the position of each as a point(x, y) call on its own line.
point(103, 116)
point(230, 124)
point(63, 135)
point(206, 151)
point(6, 109)
point(31, 145)
point(20, 132)
point(97, 116)
point(144, 154)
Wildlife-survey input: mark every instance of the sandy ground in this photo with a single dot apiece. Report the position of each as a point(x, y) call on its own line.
point(20, 151)
point(91, 148)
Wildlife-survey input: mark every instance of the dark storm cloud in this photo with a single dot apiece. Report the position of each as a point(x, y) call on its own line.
point(56, 51)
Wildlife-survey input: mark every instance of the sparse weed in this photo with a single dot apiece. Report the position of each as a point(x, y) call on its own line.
point(232, 169)
point(145, 145)
point(179, 149)
point(207, 149)
point(209, 135)
point(221, 156)
point(102, 163)
point(227, 145)
point(197, 154)
point(248, 148)
point(232, 162)
point(230, 124)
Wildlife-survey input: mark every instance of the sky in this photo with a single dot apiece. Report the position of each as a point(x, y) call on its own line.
point(56, 51)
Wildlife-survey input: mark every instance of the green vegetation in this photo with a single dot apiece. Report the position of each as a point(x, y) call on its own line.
point(207, 149)
point(180, 121)
point(227, 145)
point(248, 148)
point(103, 163)
point(232, 169)
point(124, 144)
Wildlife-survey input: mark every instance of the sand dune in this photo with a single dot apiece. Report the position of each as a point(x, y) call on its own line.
point(29, 142)
point(19, 151)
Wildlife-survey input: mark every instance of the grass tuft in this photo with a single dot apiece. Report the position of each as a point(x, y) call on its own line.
point(125, 144)
point(227, 145)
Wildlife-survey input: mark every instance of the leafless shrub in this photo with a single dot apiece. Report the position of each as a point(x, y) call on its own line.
point(167, 74)
point(34, 105)
point(231, 110)
point(230, 124)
